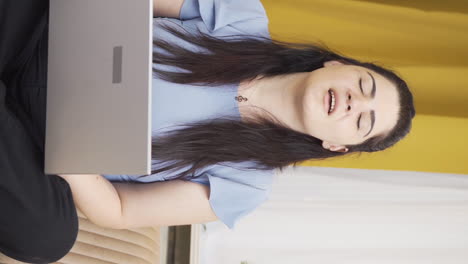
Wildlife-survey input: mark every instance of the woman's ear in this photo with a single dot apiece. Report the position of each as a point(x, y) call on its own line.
point(339, 149)
point(325, 145)
point(333, 147)
point(332, 63)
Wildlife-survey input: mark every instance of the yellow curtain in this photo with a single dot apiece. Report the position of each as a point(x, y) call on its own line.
point(426, 42)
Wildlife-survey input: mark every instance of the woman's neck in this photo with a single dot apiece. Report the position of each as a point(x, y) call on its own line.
point(281, 95)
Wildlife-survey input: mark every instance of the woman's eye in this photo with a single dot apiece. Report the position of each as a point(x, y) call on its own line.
point(359, 122)
point(361, 86)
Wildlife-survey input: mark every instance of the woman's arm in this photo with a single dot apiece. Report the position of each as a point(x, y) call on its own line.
point(96, 198)
point(173, 202)
point(129, 205)
point(167, 8)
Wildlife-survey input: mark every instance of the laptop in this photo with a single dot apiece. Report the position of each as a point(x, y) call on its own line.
point(98, 114)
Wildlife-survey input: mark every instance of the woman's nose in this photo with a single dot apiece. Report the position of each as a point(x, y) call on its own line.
point(354, 103)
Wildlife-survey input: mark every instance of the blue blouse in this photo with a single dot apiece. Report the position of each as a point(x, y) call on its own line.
point(235, 190)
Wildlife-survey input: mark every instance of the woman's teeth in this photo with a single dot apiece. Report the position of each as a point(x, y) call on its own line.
point(332, 99)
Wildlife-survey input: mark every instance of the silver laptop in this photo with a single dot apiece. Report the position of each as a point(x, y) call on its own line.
point(98, 115)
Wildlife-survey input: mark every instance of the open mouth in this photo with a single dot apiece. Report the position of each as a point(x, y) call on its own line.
point(331, 101)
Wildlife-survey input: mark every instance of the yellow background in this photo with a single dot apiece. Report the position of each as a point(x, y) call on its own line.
point(425, 42)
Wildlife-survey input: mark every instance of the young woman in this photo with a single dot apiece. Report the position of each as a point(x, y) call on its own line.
point(231, 105)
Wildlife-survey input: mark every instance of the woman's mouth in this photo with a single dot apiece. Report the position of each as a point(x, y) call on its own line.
point(331, 101)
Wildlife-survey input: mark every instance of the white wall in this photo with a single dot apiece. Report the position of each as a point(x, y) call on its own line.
point(330, 215)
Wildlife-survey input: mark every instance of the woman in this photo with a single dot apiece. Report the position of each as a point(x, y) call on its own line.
point(230, 106)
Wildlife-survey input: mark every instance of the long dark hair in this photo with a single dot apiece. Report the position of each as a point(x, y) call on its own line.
point(261, 139)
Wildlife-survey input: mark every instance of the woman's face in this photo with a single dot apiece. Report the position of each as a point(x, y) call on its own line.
point(364, 104)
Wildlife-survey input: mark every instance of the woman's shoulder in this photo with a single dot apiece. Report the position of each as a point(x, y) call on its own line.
point(222, 17)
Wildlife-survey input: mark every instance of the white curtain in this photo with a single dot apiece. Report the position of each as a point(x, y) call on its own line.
point(331, 215)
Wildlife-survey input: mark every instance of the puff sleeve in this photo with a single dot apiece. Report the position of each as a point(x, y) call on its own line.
point(235, 192)
point(225, 17)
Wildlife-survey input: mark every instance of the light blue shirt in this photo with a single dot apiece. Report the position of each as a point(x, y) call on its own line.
point(235, 191)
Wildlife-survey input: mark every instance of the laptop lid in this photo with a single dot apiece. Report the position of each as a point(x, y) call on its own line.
point(98, 115)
